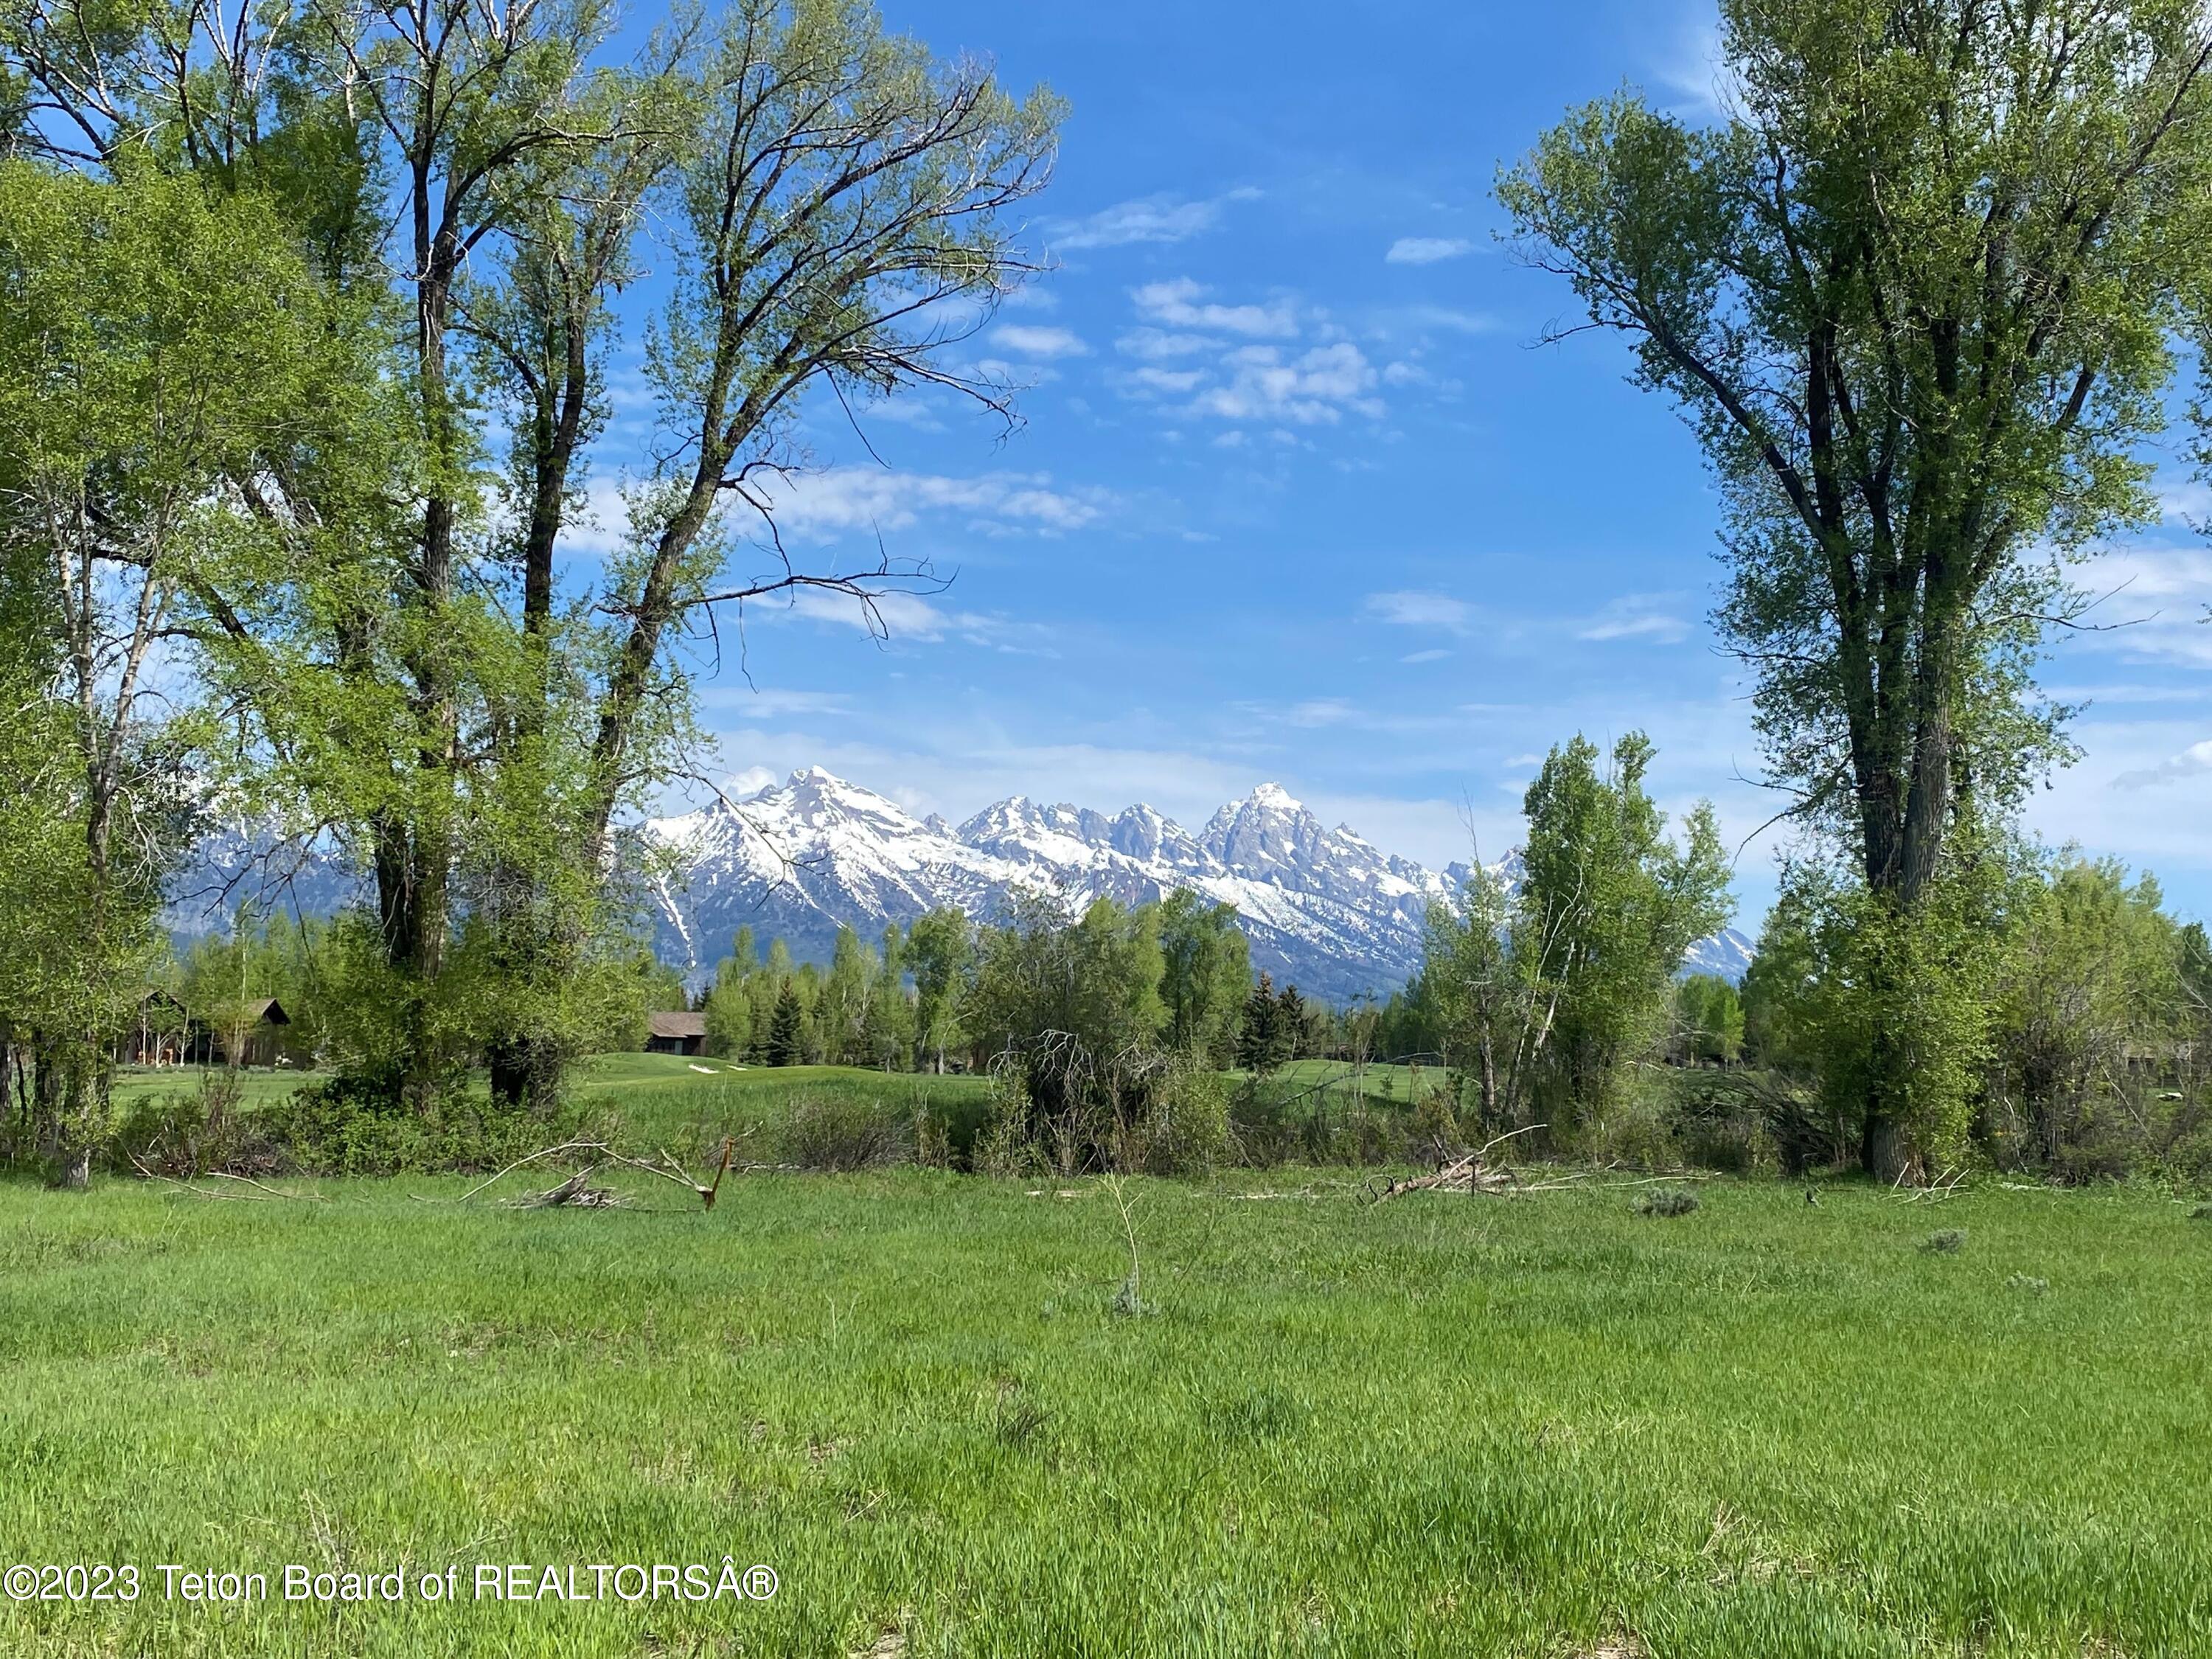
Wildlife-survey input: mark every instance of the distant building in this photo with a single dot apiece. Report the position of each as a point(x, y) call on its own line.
point(676, 1033)
point(166, 1033)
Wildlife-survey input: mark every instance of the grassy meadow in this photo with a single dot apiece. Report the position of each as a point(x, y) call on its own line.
point(1442, 1425)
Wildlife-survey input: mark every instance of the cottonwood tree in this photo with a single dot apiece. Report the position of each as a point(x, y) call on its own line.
point(432, 688)
point(1916, 291)
point(1555, 990)
point(153, 345)
point(1207, 972)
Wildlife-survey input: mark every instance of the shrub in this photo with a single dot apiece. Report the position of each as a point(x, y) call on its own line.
point(191, 1132)
point(1667, 1201)
point(2027, 1285)
point(351, 1126)
point(1949, 1241)
point(1185, 1127)
point(841, 1131)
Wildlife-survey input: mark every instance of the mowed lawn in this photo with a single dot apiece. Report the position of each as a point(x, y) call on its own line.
point(1444, 1425)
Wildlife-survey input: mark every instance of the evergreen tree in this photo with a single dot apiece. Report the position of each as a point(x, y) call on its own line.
point(787, 1036)
point(888, 1027)
point(1290, 1034)
point(1259, 1041)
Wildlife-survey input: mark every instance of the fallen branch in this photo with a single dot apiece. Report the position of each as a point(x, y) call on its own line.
point(1944, 1186)
point(264, 1195)
point(1469, 1174)
point(667, 1168)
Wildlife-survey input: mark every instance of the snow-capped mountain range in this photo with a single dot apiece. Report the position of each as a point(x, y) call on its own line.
point(1324, 910)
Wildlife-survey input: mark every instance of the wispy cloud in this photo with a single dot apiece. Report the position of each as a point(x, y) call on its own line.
point(841, 500)
point(1182, 303)
point(2194, 762)
point(1691, 68)
point(1426, 250)
point(1321, 711)
point(1412, 608)
point(1158, 345)
point(1425, 656)
point(1031, 340)
point(914, 618)
point(1636, 617)
point(2156, 601)
point(1144, 219)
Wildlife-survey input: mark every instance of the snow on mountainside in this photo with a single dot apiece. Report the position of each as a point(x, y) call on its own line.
point(1323, 909)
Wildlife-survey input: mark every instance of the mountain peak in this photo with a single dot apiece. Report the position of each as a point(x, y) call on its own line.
point(1275, 797)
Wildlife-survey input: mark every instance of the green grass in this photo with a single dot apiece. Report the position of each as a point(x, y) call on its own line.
point(134, 1084)
point(1436, 1426)
point(689, 1105)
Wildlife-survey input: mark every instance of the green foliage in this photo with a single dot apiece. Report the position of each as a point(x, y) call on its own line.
point(1206, 975)
point(1710, 1020)
point(354, 1125)
point(1608, 905)
point(1548, 997)
point(156, 346)
point(1266, 1038)
point(786, 1044)
point(1069, 1008)
point(2093, 970)
point(940, 954)
point(1667, 1201)
point(1918, 293)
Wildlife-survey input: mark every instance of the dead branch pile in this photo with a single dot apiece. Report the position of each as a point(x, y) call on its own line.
point(1471, 1173)
point(577, 1192)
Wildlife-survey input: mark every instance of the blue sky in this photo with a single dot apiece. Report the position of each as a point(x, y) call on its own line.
point(1297, 499)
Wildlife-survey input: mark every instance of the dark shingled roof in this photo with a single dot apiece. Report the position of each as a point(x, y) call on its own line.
point(676, 1025)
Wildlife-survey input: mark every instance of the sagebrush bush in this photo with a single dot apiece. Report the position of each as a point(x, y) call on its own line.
point(1663, 1201)
point(1948, 1241)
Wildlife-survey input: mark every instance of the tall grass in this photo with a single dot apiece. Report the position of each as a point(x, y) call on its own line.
point(1437, 1426)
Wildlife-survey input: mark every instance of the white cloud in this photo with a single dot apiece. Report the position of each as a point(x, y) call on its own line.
point(769, 702)
point(750, 781)
point(824, 505)
point(1693, 68)
point(1321, 711)
point(2185, 501)
point(1315, 387)
point(1425, 656)
point(1157, 345)
point(2155, 601)
point(1636, 617)
point(1028, 340)
point(1182, 303)
point(1426, 250)
point(1146, 219)
point(911, 617)
point(1409, 608)
point(1174, 381)
point(600, 528)
point(2193, 761)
